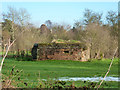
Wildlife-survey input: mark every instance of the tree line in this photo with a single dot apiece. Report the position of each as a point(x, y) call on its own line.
point(101, 37)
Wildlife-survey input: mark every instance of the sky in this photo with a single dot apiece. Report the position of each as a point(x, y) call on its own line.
point(63, 13)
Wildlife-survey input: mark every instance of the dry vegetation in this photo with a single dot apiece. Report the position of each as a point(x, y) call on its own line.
point(100, 38)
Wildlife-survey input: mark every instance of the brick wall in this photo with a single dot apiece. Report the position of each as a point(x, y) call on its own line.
point(60, 51)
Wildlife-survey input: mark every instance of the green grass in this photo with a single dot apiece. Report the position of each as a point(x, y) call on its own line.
point(70, 41)
point(60, 68)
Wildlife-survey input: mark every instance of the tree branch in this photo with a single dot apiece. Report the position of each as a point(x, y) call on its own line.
point(108, 68)
point(10, 44)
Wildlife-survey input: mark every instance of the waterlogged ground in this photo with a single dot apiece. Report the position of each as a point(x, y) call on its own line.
point(89, 79)
point(80, 72)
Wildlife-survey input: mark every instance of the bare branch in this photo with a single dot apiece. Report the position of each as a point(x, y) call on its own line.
point(10, 44)
point(108, 68)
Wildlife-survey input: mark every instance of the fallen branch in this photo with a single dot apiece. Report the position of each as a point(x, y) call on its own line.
point(108, 68)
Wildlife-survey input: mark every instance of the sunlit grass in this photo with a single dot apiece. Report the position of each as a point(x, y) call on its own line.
point(60, 68)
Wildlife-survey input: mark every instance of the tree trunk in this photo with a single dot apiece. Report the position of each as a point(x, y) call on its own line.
point(90, 50)
point(18, 53)
point(27, 52)
point(97, 54)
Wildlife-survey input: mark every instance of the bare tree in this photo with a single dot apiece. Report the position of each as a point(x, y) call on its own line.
point(98, 39)
point(59, 32)
point(12, 15)
point(112, 18)
point(5, 38)
point(92, 17)
point(23, 17)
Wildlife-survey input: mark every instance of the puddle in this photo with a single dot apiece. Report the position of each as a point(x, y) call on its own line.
point(90, 79)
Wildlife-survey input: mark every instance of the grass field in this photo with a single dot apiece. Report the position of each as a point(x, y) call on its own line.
point(32, 70)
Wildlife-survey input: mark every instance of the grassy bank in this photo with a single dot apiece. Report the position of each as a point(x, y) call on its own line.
point(32, 70)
